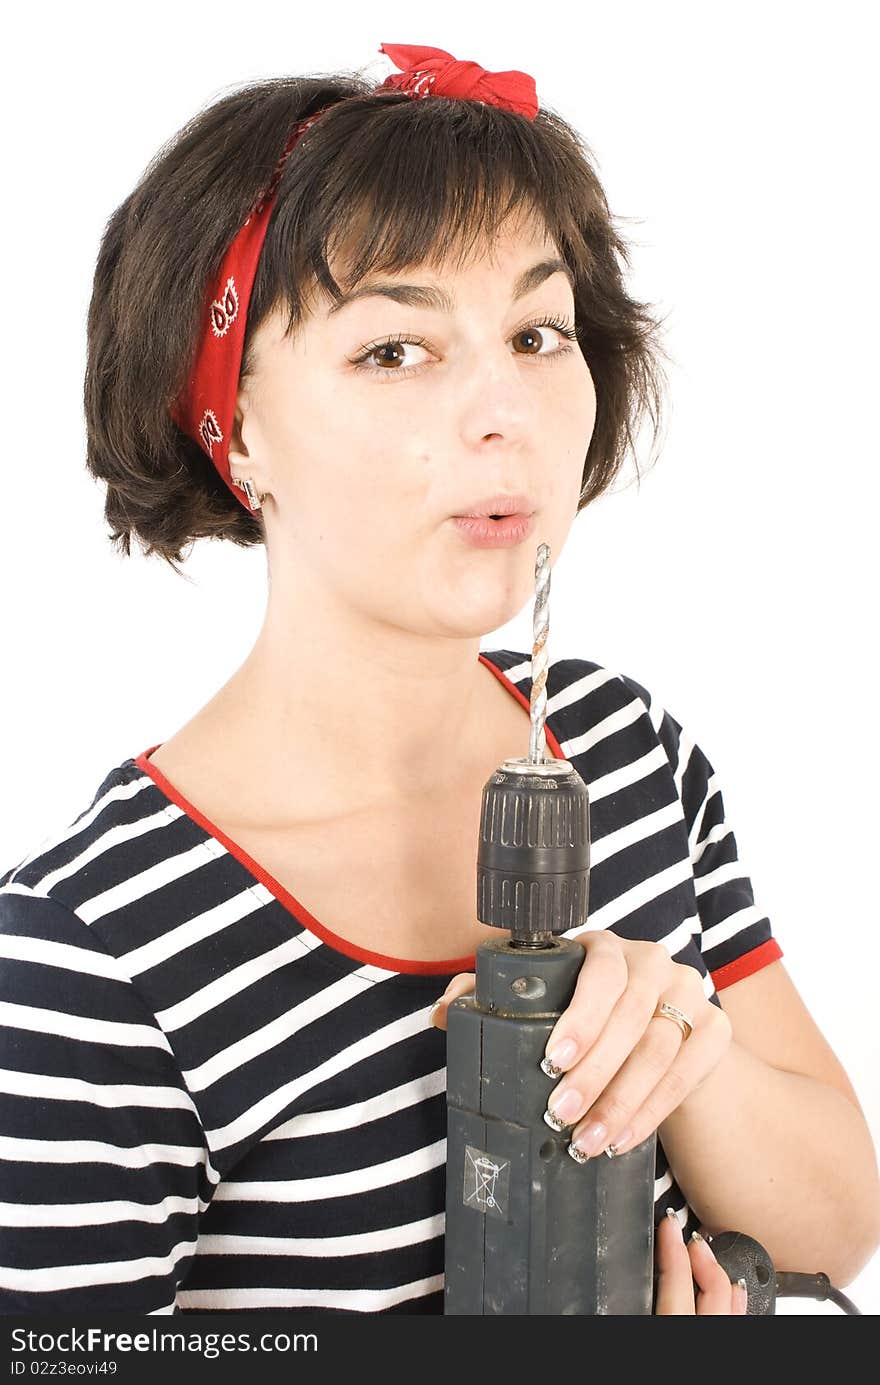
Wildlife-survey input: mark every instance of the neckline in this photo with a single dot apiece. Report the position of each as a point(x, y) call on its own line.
point(290, 903)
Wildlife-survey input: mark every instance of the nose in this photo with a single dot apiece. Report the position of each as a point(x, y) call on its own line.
point(494, 399)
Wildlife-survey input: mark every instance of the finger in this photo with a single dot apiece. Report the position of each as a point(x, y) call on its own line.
point(460, 985)
point(662, 1069)
point(602, 979)
point(619, 983)
point(611, 1082)
point(716, 1296)
point(675, 1286)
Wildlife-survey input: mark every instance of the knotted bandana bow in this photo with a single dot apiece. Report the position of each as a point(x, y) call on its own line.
point(433, 72)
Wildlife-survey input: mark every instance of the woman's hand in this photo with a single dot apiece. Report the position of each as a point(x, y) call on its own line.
point(678, 1265)
point(624, 1068)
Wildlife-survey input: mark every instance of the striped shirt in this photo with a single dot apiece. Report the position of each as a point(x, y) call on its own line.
point(210, 1102)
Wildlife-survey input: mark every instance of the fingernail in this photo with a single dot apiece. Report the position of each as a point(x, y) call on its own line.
point(577, 1154)
point(702, 1243)
point(565, 1106)
point(433, 1010)
point(590, 1141)
point(563, 1053)
point(744, 1292)
point(620, 1143)
point(553, 1121)
point(672, 1214)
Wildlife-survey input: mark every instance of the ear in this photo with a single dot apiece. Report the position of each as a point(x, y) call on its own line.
point(239, 460)
point(244, 460)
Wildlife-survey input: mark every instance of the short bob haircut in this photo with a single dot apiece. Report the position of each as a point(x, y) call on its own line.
point(388, 182)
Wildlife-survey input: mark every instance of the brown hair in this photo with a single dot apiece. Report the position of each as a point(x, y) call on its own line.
point(415, 177)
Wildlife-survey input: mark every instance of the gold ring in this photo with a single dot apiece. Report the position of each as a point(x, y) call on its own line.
point(671, 1012)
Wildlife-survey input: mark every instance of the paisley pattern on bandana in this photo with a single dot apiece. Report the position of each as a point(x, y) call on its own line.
point(225, 311)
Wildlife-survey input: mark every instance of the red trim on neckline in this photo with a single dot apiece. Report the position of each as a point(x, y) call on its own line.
point(290, 902)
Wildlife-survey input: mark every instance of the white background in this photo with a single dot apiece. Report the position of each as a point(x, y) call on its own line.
point(737, 146)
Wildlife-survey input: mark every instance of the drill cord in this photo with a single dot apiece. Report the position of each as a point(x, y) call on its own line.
point(816, 1286)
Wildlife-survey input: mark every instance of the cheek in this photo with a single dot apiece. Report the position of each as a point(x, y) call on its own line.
point(368, 500)
point(574, 421)
point(332, 457)
point(583, 401)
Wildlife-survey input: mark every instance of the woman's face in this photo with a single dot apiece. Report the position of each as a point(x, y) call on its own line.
point(369, 451)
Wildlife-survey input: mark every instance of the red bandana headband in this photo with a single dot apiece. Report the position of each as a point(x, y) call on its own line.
point(205, 408)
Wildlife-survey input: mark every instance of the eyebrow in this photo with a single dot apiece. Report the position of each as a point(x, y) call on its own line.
point(431, 296)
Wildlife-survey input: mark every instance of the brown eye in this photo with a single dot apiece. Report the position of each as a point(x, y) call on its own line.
point(532, 335)
point(390, 346)
point(386, 357)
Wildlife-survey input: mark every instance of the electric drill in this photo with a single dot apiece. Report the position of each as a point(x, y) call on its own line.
point(527, 1229)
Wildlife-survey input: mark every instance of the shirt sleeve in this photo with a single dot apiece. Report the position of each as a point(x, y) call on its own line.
point(735, 938)
point(104, 1164)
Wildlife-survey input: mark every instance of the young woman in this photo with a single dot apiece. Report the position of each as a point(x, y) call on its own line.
point(338, 320)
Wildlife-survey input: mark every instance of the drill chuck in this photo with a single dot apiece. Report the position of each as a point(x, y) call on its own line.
point(533, 854)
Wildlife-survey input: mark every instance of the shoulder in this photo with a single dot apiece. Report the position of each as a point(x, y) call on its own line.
point(589, 704)
point(571, 679)
point(83, 859)
point(71, 910)
point(60, 975)
point(121, 799)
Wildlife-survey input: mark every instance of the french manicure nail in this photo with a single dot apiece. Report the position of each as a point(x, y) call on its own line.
point(577, 1154)
point(702, 1243)
point(591, 1140)
point(561, 1054)
point(620, 1143)
point(565, 1106)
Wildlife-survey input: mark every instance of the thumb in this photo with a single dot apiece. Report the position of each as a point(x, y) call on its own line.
point(460, 985)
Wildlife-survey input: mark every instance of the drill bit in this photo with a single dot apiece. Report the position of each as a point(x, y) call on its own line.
point(533, 856)
point(540, 660)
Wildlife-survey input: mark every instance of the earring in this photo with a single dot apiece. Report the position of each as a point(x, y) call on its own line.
point(247, 486)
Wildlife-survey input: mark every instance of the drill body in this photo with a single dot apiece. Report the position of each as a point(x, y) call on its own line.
point(529, 1230)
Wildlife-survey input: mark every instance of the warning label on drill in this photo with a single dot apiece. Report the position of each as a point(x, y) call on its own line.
point(486, 1182)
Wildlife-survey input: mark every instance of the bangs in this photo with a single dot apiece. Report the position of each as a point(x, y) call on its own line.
point(389, 184)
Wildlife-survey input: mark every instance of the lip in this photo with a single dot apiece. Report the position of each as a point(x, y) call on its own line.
point(482, 532)
point(499, 504)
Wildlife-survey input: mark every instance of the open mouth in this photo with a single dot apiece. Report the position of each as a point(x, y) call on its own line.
point(495, 531)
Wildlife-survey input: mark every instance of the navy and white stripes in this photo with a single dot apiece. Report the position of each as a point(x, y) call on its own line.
point(206, 1104)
